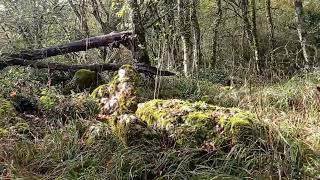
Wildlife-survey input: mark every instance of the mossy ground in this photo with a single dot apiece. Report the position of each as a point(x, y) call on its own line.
point(64, 141)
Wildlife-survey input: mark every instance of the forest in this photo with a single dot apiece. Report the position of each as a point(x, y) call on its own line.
point(159, 89)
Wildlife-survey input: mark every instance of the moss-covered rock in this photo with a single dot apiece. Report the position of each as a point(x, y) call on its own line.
point(120, 95)
point(83, 79)
point(199, 124)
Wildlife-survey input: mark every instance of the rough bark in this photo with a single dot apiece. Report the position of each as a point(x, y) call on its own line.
point(140, 53)
point(300, 28)
point(97, 16)
point(251, 30)
point(216, 25)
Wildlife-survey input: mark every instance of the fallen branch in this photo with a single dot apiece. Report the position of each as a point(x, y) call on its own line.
point(112, 39)
point(142, 68)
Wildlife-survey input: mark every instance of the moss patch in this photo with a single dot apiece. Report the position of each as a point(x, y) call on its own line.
point(6, 109)
point(83, 79)
point(196, 124)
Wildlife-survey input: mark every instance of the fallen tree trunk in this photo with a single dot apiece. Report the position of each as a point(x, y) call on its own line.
point(111, 39)
point(142, 68)
point(114, 39)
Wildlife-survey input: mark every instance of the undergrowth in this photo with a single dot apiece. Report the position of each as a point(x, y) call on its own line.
point(64, 141)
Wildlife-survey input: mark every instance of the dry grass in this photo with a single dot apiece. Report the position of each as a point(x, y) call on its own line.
point(72, 145)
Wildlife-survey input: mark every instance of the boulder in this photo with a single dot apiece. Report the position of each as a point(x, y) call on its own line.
point(199, 124)
point(120, 96)
point(195, 125)
point(83, 80)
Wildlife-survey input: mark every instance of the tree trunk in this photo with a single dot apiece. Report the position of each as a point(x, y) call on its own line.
point(271, 29)
point(142, 68)
point(216, 25)
point(300, 28)
point(81, 15)
point(197, 55)
point(185, 31)
point(140, 53)
point(251, 30)
point(105, 29)
point(255, 43)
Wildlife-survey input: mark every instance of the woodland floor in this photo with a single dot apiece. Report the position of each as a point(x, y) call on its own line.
point(63, 140)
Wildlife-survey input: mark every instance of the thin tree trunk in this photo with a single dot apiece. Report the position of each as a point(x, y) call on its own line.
point(81, 15)
point(185, 31)
point(98, 17)
point(300, 28)
point(271, 29)
point(140, 53)
point(255, 38)
point(216, 25)
point(197, 55)
point(251, 30)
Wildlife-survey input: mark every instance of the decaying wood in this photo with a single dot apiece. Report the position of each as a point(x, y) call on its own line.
point(113, 38)
point(142, 68)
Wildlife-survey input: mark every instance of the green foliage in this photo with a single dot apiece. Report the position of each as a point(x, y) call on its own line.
point(6, 109)
point(48, 99)
point(18, 79)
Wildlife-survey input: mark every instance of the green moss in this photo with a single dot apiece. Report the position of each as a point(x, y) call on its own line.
point(21, 127)
point(100, 91)
point(6, 109)
point(192, 124)
point(122, 89)
point(3, 132)
point(83, 79)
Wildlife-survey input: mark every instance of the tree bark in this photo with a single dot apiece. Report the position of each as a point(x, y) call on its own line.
point(197, 55)
point(81, 15)
point(104, 27)
point(271, 28)
point(142, 68)
point(140, 53)
point(300, 28)
point(185, 31)
point(81, 45)
point(216, 25)
point(255, 43)
point(251, 30)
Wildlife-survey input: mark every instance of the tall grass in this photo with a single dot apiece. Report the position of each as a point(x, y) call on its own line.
point(65, 142)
